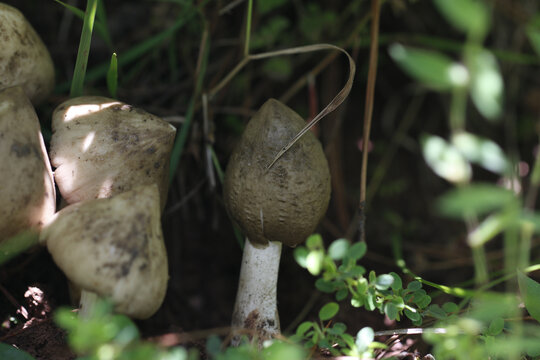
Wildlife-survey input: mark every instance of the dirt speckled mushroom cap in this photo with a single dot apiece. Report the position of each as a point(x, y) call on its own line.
point(114, 248)
point(27, 195)
point(101, 147)
point(24, 59)
point(286, 202)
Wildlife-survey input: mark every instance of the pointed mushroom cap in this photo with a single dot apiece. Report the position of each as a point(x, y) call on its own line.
point(114, 248)
point(27, 195)
point(101, 147)
point(24, 59)
point(286, 202)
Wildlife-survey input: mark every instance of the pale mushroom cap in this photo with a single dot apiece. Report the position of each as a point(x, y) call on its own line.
point(101, 147)
point(114, 248)
point(24, 59)
point(27, 195)
point(286, 202)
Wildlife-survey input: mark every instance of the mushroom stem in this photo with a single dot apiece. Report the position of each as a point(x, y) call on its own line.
point(87, 302)
point(256, 302)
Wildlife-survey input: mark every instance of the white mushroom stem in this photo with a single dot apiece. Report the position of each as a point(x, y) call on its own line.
point(87, 302)
point(256, 302)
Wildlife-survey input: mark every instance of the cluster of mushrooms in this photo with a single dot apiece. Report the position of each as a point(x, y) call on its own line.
point(111, 163)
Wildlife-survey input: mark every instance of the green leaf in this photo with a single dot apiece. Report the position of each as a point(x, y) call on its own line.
point(300, 255)
point(450, 307)
point(12, 353)
point(533, 33)
point(445, 159)
point(213, 345)
point(326, 286)
point(112, 76)
point(477, 199)
point(364, 338)
point(341, 294)
point(338, 328)
point(430, 68)
point(486, 85)
point(314, 262)
point(328, 311)
point(314, 242)
point(384, 281)
point(391, 311)
point(413, 315)
point(304, 327)
point(357, 251)
point(278, 68)
point(530, 292)
point(414, 285)
point(481, 151)
point(495, 326)
point(279, 350)
point(436, 311)
point(469, 16)
point(338, 249)
point(81, 62)
point(397, 284)
point(265, 6)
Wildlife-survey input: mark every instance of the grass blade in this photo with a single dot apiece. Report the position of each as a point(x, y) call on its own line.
point(81, 63)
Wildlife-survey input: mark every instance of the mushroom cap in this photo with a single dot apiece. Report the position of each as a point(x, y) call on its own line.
point(286, 202)
point(27, 195)
point(101, 147)
point(24, 59)
point(114, 248)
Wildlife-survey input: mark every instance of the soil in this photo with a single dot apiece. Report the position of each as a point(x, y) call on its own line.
point(204, 255)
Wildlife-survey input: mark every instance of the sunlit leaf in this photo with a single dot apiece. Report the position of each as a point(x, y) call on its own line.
point(445, 159)
point(314, 262)
point(481, 151)
point(314, 242)
point(477, 199)
point(328, 311)
point(470, 16)
point(364, 338)
point(300, 255)
point(430, 68)
point(530, 292)
point(490, 227)
point(384, 281)
point(279, 350)
point(338, 249)
point(486, 85)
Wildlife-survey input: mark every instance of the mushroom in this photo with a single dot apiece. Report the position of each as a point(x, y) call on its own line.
point(24, 59)
point(101, 147)
point(113, 248)
point(27, 194)
point(282, 204)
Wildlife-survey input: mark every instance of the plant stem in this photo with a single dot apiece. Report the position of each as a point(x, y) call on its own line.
point(370, 94)
point(248, 27)
point(256, 301)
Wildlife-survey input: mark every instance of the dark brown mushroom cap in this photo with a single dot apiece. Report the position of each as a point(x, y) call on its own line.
point(286, 202)
point(24, 59)
point(27, 195)
point(102, 147)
